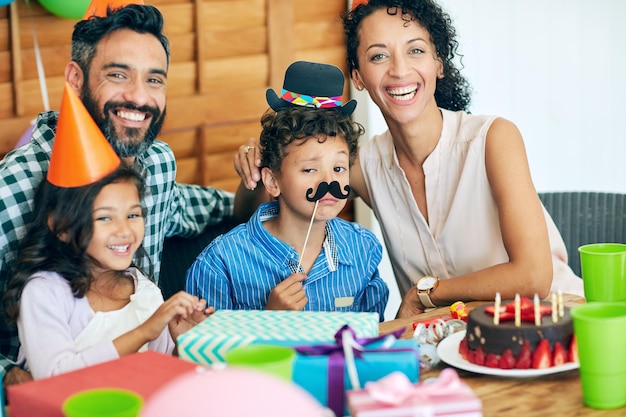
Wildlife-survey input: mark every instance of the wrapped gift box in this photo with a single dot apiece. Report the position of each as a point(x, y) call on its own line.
point(379, 359)
point(395, 396)
point(208, 342)
point(143, 373)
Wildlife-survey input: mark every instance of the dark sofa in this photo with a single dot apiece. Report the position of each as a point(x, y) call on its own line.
point(179, 253)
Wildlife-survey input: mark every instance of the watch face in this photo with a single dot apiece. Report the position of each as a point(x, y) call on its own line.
point(426, 283)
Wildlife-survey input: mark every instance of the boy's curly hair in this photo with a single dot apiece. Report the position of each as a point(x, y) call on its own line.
point(298, 124)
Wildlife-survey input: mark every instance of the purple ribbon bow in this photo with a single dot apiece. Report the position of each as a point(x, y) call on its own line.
point(346, 347)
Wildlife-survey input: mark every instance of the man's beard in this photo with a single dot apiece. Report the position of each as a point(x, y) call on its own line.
point(131, 143)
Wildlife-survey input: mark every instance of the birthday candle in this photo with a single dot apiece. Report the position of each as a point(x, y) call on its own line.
point(496, 310)
point(537, 313)
point(555, 312)
point(560, 303)
point(518, 311)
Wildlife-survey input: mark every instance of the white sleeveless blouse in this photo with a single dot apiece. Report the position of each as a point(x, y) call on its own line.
point(464, 232)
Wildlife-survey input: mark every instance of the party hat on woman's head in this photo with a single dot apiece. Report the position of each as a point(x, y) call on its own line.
point(81, 154)
point(99, 7)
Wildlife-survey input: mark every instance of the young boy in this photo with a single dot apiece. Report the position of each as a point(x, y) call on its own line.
point(294, 253)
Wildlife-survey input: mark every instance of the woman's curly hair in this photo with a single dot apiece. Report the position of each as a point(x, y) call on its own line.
point(453, 91)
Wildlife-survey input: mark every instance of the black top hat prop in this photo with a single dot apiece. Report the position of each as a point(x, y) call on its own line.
point(311, 84)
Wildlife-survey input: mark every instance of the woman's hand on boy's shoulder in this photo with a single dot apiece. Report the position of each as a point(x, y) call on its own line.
point(247, 163)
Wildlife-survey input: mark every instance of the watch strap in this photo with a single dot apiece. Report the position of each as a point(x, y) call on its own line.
point(425, 299)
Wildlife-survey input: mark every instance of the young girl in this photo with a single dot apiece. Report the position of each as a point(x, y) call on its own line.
point(77, 299)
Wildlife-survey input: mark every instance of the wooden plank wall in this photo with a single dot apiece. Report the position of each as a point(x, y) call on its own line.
point(225, 54)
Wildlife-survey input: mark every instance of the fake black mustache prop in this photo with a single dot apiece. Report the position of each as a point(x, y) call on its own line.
point(333, 188)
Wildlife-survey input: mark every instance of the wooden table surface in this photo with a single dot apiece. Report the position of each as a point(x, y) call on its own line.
point(551, 395)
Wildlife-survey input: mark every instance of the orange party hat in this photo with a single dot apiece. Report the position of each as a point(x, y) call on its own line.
point(99, 7)
point(81, 154)
point(356, 3)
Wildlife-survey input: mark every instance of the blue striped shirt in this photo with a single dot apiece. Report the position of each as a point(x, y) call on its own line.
point(239, 269)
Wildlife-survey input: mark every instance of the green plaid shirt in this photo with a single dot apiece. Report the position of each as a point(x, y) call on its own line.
point(172, 209)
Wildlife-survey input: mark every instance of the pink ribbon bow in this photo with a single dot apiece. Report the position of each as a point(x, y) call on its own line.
point(396, 388)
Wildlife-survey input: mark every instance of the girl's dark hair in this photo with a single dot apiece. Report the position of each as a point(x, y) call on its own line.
point(298, 123)
point(138, 18)
point(68, 212)
point(453, 90)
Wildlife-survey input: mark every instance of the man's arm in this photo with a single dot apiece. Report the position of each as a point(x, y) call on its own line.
point(193, 208)
point(21, 170)
point(183, 210)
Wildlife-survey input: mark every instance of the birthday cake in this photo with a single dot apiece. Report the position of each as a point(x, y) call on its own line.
point(522, 345)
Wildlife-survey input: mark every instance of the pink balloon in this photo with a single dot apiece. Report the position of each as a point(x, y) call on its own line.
point(232, 392)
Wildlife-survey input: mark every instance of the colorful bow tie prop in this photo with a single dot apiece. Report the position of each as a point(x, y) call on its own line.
point(341, 360)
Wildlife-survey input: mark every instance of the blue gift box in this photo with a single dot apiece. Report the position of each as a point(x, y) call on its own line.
point(379, 359)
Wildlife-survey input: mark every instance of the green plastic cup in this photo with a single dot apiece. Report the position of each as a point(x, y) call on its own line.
point(270, 359)
point(600, 336)
point(603, 267)
point(103, 402)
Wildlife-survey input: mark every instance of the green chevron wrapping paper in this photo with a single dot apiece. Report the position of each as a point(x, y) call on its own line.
point(208, 342)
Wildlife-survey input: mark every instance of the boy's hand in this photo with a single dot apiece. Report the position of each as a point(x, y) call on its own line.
point(288, 295)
